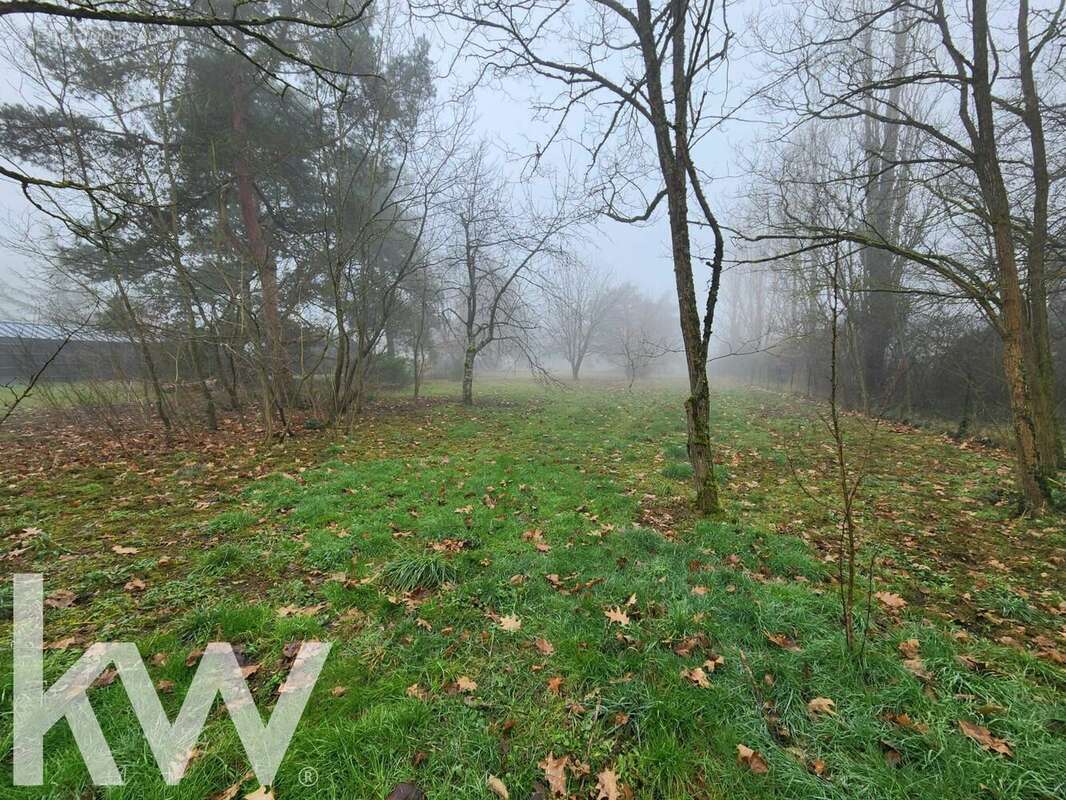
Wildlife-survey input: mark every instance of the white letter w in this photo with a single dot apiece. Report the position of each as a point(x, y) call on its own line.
point(36, 711)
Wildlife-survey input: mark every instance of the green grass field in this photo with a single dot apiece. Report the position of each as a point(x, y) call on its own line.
point(415, 543)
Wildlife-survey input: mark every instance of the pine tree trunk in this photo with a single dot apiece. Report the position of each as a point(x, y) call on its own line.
point(263, 260)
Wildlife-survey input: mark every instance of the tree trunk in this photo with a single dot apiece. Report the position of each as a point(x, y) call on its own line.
point(468, 376)
point(1030, 474)
point(672, 148)
point(261, 256)
point(1030, 420)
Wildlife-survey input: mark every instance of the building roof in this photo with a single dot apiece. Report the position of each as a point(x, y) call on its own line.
point(28, 331)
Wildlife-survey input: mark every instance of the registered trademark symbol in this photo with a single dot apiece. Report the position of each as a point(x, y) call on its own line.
point(308, 776)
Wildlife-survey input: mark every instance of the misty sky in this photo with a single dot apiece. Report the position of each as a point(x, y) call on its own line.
point(633, 253)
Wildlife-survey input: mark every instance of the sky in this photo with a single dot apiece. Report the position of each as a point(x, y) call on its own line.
point(635, 253)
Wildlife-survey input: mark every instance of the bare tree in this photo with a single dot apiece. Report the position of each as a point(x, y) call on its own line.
point(577, 300)
point(638, 331)
point(979, 163)
point(500, 240)
point(639, 75)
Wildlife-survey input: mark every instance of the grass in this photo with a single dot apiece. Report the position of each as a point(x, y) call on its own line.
point(409, 542)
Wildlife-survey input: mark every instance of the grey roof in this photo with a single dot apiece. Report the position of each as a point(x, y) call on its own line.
point(54, 333)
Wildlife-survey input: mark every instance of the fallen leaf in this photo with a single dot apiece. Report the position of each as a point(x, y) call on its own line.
point(125, 551)
point(338, 691)
point(465, 684)
point(555, 773)
point(406, 791)
point(106, 678)
point(752, 759)
point(298, 611)
point(234, 790)
point(135, 585)
point(893, 757)
point(891, 601)
point(607, 785)
point(983, 736)
point(416, 691)
point(784, 642)
point(165, 687)
point(555, 685)
point(262, 793)
point(498, 788)
point(60, 598)
point(821, 705)
point(61, 644)
point(697, 676)
point(909, 648)
point(544, 647)
point(617, 615)
point(510, 623)
point(905, 721)
point(713, 663)
point(916, 667)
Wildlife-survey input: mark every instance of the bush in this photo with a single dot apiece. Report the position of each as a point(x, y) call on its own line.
point(391, 371)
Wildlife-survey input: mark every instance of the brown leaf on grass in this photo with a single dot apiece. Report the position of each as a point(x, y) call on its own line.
point(891, 601)
point(969, 662)
point(465, 684)
point(983, 736)
point(893, 757)
point(685, 647)
point(61, 644)
point(416, 691)
point(298, 611)
point(752, 759)
point(714, 662)
point(165, 687)
point(406, 791)
point(783, 641)
point(821, 705)
point(498, 788)
point(555, 773)
point(544, 647)
point(909, 648)
point(60, 598)
point(193, 657)
point(510, 623)
point(125, 551)
point(555, 685)
point(916, 667)
point(697, 676)
point(135, 585)
point(607, 786)
point(106, 678)
point(338, 691)
point(904, 721)
point(262, 793)
point(699, 591)
point(617, 615)
point(234, 790)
